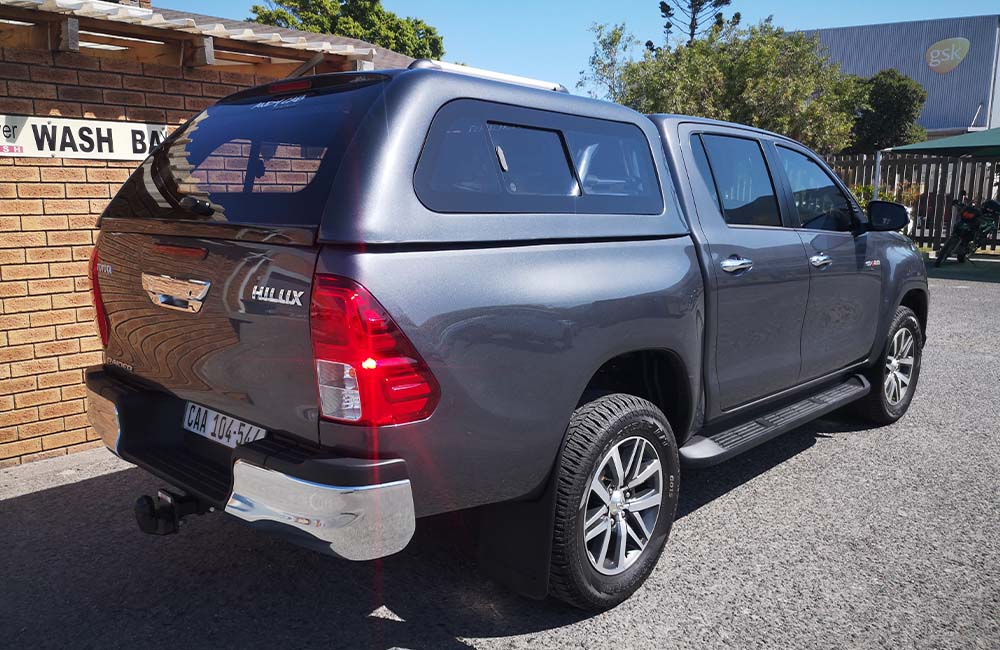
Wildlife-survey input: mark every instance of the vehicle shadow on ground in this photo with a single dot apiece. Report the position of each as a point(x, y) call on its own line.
point(76, 572)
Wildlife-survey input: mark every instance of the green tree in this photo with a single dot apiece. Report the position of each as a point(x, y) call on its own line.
point(698, 13)
point(604, 76)
point(761, 76)
point(889, 117)
point(366, 20)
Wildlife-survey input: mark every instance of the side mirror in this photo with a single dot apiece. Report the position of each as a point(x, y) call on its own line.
point(885, 216)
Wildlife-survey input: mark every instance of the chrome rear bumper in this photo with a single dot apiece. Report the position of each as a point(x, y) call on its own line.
point(354, 520)
point(356, 523)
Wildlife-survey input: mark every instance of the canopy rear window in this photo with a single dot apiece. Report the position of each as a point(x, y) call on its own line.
point(257, 159)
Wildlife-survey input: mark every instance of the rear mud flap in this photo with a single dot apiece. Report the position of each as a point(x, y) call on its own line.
point(515, 542)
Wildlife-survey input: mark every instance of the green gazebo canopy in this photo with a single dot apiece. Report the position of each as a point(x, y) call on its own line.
point(980, 144)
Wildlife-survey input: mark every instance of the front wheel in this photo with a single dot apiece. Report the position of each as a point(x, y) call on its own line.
point(894, 377)
point(946, 250)
point(618, 480)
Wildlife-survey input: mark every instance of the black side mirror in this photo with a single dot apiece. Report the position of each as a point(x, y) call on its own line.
point(885, 216)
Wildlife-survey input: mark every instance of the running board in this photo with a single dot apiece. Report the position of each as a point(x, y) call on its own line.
point(702, 451)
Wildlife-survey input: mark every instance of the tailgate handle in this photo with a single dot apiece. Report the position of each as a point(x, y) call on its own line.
point(174, 293)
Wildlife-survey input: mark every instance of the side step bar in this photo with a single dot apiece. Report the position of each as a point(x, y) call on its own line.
point(702, 451)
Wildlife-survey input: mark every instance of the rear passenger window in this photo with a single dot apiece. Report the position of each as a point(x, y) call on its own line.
point(494, 158)
point(743, 181)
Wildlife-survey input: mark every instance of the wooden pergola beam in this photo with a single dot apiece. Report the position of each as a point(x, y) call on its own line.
point(27, 37)
point(54, 31)
point(144, 52)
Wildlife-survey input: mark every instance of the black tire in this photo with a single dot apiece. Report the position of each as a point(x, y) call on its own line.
point(946, 250)
point(594, 429)
point(876, 405)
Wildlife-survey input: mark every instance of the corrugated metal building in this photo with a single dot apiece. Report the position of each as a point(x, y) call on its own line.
point(955, 59)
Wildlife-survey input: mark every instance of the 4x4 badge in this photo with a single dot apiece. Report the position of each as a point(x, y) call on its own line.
point(280, 296)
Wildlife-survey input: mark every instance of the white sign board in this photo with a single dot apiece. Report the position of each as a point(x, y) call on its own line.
point(58, 137)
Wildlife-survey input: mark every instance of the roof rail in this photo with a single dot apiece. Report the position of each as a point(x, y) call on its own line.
point(486, 74)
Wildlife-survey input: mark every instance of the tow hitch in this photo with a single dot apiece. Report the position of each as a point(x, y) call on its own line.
point(162, 516)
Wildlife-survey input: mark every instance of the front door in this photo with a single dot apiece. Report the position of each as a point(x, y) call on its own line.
point(846, 285)
point(759, 268)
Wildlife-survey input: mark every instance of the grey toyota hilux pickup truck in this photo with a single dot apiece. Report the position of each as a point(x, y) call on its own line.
point(333, 305)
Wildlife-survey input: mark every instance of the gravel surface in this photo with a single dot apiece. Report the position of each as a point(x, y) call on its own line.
point(833, 536)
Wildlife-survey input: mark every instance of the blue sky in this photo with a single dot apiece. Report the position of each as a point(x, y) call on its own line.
point(548, 39)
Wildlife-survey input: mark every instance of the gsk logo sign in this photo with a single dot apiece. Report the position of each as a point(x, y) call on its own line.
point(944, 56)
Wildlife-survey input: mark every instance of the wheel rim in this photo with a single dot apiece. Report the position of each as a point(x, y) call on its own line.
point(898, 367)
point(621, 505)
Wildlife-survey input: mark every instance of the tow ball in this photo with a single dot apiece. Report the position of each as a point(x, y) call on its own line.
point(162, 515)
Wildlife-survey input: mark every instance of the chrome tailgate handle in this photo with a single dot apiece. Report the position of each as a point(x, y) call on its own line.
point(174, 293)
point(736, 264)
point(821, 260)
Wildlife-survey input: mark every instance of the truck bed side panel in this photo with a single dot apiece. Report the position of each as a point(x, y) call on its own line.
point(513, 334)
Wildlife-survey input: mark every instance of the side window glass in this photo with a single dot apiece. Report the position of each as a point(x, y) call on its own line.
point(481, 157)
point(532, 161)
point(820, 203)
point(744, 184)
point(461, 160)
point(613, 160)
point(704, 169)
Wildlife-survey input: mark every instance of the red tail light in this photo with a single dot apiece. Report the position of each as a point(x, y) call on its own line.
point(367, 371)
point(100, 315)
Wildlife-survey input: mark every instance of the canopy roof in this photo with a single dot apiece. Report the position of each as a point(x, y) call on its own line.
point(981, 144)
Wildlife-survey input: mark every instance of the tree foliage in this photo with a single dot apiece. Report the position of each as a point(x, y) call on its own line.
point(366, 20)
point(698, 13)
point(605, 74)
point(889, 117)
point(761, 76)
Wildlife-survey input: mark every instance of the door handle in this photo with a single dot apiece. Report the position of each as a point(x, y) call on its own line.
point(736, 264)
point(821, 261)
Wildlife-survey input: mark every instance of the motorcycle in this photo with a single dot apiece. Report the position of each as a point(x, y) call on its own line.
point(971, 230)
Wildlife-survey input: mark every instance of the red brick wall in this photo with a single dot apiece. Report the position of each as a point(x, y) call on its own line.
point(48, 209)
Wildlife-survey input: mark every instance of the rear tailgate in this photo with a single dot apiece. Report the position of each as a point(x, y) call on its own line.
point(206, 255)
point(221, 323)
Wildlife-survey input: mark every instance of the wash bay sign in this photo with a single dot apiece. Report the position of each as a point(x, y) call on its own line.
point(57, 137)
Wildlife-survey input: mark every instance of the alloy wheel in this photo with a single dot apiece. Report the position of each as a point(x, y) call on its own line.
point(898, 367)
point(621, 505)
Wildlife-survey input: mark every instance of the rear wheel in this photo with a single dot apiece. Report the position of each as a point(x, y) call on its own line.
point(618, 478)
point(894, 378)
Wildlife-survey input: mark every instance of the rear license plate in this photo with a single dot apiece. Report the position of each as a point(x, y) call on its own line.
point(219, 428)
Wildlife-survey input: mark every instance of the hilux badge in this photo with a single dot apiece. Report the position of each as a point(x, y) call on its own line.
point(280, 296)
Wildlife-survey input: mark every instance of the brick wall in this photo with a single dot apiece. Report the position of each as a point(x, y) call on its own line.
point(48, 209)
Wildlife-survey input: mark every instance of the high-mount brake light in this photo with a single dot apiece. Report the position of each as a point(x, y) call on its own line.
point(367, 371)
point(289, 86)
point(100, 315)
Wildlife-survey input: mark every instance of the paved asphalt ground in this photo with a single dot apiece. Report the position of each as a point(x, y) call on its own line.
point(833, 536)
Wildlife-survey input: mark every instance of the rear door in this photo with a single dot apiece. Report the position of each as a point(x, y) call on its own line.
point(206, 255)
point(846, 274)
point(759, 267)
